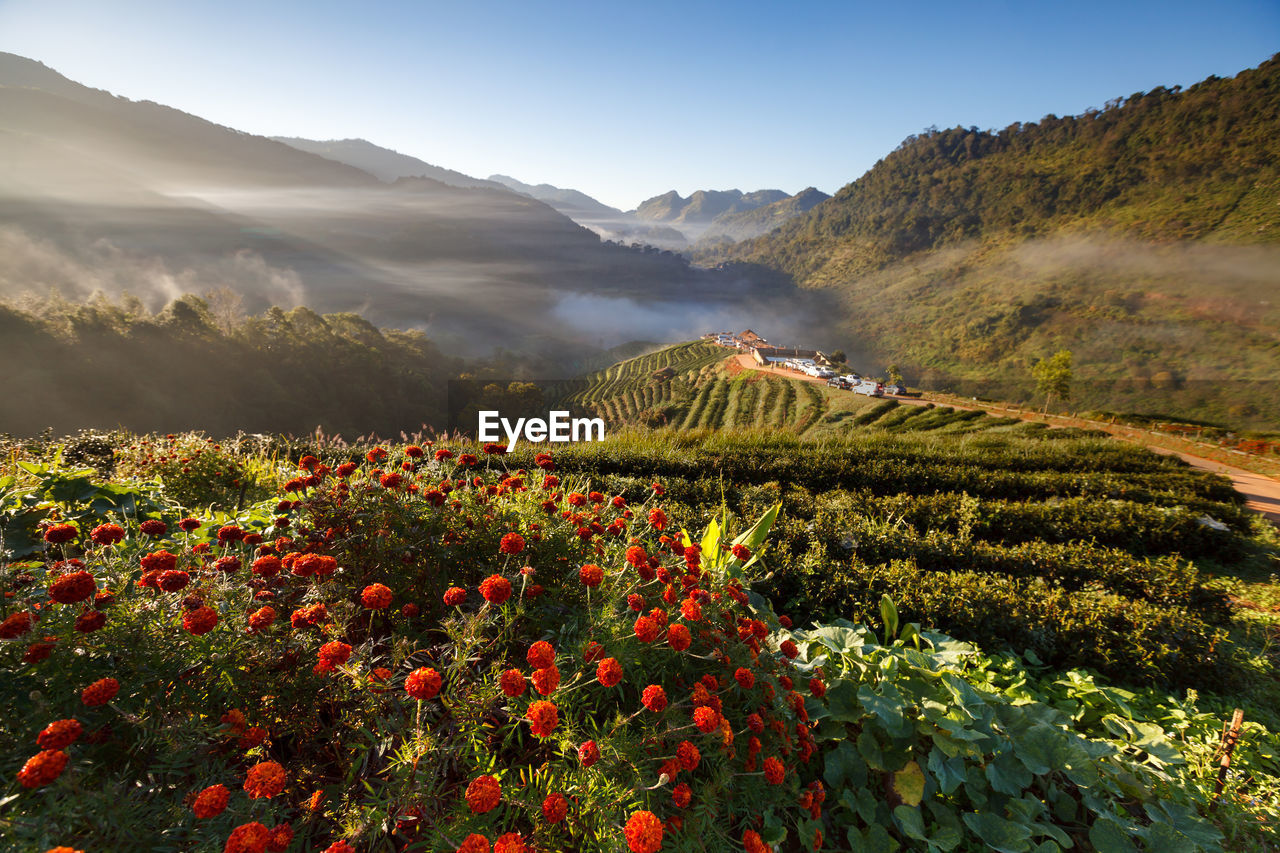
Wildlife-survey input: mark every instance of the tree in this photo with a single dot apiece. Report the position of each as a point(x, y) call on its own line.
point(895, 375)
point(1053, 376)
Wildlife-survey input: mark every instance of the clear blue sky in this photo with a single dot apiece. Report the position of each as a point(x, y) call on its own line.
point(628, 100)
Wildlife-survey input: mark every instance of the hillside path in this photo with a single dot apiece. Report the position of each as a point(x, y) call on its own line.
point(1262, 494)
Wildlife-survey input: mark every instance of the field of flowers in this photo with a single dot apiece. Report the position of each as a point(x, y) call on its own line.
point(262, 646)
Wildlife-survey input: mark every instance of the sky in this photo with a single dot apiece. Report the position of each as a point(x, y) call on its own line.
point(625, 101)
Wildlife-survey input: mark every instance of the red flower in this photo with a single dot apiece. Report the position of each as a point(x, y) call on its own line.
point(390, 481)
point(512, 682)
point(454, 596)
point(789, 649)
point(230, 533)
point(265, 779)
point(512, 543)
point(409, 611)
point(211, 802)
point(543, 718)
point(658, 519)
point(107, 534)
point(172, 580)
point(248, 838)
point(678, 637)
point(443, 453)
point(333, 655)
point(817, 688)
point(509, 843)
point(376, 455)
point(60, 533)
point(541, 654)
point(267, 567)
point(308, 616)
point(753, 843)
point(15, 625)
point(100, 692)
point(72, 588)
point(483, 794)
point(90, 621)
point(654, 698)
point(755, 723)
point(691, 610)
point(688, 755)
point(636, 602)
point(261, 619)
point(681, 795)
point(423, 683)
point(555, 808)
point(42, 768)
point(646, 629)
point(706, 719)
point(644, 832)
point(59, 734)
point(376, 596)
point(474, 843)
point(546, 680)
point(742, 552)
point(588, 753)
point(496, 589)
point(156, 527)
point(159, 561)
point(774, 771)
point(282, 837)
point(200, 621)
point(591, 575)
point(745, 678)
point(609, 672)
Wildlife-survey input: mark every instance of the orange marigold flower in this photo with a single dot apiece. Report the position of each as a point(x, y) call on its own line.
point(376, 455)
point(423, 683)
point(755, 723)
point(745, 678)
point(63, 849)
point(742, 552)
point(512, 842)
point(688, 755)
point(817, 688)
point(376, 596)
point(643, 832)
point(341, 846)
point(681, 795)
point(637, 557)
point(646, 629)
point(172, 580)
point(658, 519)
point(654, 698)
point(512, 543)
point(496, 589)
point(309, 616)
point(200, 621)
point(107, 534)
point(261, 619)
point(774, 770)
point(512, 682)
point(543, 718)
point(90, 621)
point(281, 838)
point(333, 655)
point(267, 566)
point(546, 680)
point(555, 808)
point(609, 672)
point(42, 768)
point(211, 802)
point(100, 692)
point(678, 637)
point(59, 533)
point(591, 575)
point(248, 838)
point(593, 652)
point(588, 753)
point(474, 843)
point(691, 610)
point(315, 801)
point(159, 561)
point(483, 794)
point(753, 843)
point(706, 719)
point(73, 588)
point(789, 649)
point(541, 654)
point(15, 625)
point(265, 779)
point(454, 596)
point(59, 734)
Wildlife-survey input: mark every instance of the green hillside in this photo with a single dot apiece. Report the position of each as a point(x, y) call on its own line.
point(1142, 236)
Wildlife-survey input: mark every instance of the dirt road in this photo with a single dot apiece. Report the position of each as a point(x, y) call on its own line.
point(1262, 494)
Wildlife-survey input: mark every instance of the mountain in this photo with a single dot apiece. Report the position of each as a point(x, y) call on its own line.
point(571, 203)
point(1142, 236)
point(100, 193)
point(383, 163)
point(743, 225)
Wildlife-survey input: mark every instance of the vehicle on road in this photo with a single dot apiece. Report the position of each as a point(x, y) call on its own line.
point(839, 382)
point(895, 390)
point(869, 388)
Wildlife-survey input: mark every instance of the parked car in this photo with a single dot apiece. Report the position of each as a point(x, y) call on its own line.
point(839, 382)
point(852, 378)
point(896, 390)
point(869, 389)
point(823, 373)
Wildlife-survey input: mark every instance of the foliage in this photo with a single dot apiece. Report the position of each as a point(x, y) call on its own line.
point(1053, 376)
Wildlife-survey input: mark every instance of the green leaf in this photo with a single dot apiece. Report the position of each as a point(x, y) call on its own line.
point(888, 710)
point(908, 784)
point(1008, 775)
point(999, 834)
point(911, 822)
point(1109, 837)
point(888, 615)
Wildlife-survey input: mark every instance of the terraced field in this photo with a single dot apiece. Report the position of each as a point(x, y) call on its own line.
point(694, 386)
